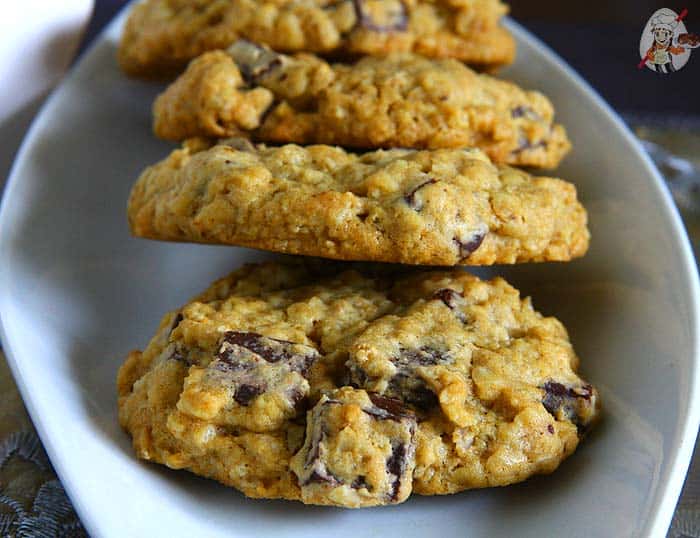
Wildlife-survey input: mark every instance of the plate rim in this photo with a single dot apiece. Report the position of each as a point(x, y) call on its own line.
point(669, 488)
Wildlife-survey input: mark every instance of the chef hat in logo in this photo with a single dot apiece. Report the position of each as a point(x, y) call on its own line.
point(668, 21)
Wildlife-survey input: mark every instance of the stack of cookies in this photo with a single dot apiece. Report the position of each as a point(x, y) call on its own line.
point(352, 130)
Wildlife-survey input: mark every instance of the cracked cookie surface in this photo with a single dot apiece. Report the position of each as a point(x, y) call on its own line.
point(499, 396)
point(401, 100)
point(439, 207)
point(161, 36)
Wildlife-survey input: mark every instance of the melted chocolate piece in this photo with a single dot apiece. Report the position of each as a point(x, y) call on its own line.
point(245, 356)
point(320, 472)
point(360, 482)
point(396, 465)
point(451, 298)
point(322, 475)
point(447, 296)
point(253, 61)
point(315, 449)
point(410, 198)
point(522, 111)
point(180, 356)
point(271, 350)
point(387, 408)
point(406, 385)
point(319, 465)
point(393, 16)
point(566, 399)
point(466, 248)
point(423, 356)
point(413, 391)
point(256, 343)
point(524, 144)
point(245, 393)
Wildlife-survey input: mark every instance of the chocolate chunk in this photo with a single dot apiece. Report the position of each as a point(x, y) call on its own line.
point(359, 483)
point(322, 476)
point(452, 300)
point(387, 408)
point(413, 391)
point(406, 385)
point(524, 144)
point(381, 15)
point(550, 428)
point(315, 448)
point(410, 198)
point(467, 247)
point(258, 344)
point(423, 356)
point(327, 460)
point(522, 111)
point(567, 400)
point(447, 296)
point(518, 112)
point(245, 393)
point(254, 61)
point(271, 350)
point(396, 465)
point(179, 355)
point(254, 364)
point(320, 472)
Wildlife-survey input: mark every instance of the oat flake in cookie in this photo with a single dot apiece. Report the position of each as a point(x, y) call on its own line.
point(355, 385)
point(401, 100)
point(439, 207)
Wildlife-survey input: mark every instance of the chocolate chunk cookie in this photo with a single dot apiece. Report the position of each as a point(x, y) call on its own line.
point(353, 386)
point(161, 36)
point(401, 100)
point(440, 207)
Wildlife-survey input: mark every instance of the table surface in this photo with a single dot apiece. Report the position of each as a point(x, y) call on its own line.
point(664, 110)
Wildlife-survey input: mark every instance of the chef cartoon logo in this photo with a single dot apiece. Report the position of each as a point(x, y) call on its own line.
point(666, 44)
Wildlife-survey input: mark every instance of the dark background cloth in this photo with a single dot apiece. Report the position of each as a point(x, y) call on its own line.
point(598, 38)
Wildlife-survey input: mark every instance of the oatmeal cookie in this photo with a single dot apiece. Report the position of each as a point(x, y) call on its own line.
point(439, 207)
point(161, 36)
point(355, 386)
point(401, 100)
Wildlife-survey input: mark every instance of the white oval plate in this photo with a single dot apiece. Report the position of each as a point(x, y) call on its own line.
point(77, 293)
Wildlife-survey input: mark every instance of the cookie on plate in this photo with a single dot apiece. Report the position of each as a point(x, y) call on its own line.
point(161, 36)
point(438, 207)
point(402, 100)
point(355, 386)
